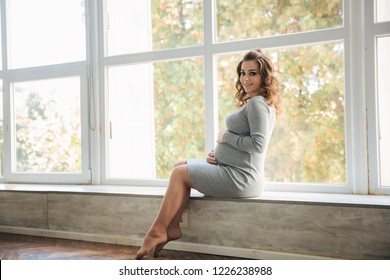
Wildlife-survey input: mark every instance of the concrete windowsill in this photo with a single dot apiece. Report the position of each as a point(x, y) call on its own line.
point(275, 197)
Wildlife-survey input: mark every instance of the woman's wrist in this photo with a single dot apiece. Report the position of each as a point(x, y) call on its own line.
point(220, 136)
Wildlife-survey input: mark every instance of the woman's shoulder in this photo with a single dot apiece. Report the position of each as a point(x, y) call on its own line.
point(258, 102)
point(258, 98)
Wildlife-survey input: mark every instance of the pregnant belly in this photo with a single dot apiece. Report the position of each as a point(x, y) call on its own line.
point(228, 155)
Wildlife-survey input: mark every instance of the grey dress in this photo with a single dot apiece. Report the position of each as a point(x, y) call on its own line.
point(241, 156)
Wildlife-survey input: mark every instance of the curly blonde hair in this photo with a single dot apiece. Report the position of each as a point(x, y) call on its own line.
point(270, 84)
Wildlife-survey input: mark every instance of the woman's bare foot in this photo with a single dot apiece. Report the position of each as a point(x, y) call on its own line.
point(152, 239)
point(173, 233)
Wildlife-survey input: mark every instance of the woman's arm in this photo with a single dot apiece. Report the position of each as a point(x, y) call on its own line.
point(258, 114)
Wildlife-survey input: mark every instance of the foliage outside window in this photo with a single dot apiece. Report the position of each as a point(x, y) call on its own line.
point(243, 19)
point(48, 132)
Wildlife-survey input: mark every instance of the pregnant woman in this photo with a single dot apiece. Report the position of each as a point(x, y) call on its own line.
point(236, 168)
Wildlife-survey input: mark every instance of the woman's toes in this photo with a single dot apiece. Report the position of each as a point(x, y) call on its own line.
point(140, 254)
point(158, 249)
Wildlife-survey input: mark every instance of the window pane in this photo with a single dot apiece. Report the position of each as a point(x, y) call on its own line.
point(252, 18)
point(308, 142)
point(382, 10)
point(131, 143)
point(1, 131)
point(383, 60)
point(1, 51)
point(137, 26)
point(53, 30)
point(156, 113)
point(47, 125)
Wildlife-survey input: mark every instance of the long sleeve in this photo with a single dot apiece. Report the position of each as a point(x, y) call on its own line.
point(258, 114)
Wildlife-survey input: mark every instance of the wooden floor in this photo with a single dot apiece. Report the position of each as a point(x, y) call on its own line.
point(22, 247)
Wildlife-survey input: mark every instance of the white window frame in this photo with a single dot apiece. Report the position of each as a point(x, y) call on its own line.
point(358, 34)
point(10, 76)
point(373, 31)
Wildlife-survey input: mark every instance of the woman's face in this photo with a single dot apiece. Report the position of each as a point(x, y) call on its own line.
point(250, 77)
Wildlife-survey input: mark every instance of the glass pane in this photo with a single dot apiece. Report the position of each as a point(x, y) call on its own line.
point(53, 30)
point(131, 143)
point(1, 51)
point(382, 10)
point(137, 26)
point(383, 61)
point(156, 113)
point(252, 18)
point(1, 131)
point(308, 142)
point(47, 125)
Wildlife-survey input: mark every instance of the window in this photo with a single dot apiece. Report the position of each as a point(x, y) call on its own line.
point(378, 69)
point(162, 101)
point(1, 111)
point(44, 92)
point(156, 108)
point(1, 131)
point(383, 71)
point(48, 129)
point(158, 77)
point(382, 10)
point(47, 125)
point(156, 114)
point(140, 26)
point(54, 32)
point(271, 18)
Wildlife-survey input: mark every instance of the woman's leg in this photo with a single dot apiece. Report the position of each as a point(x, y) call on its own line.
point(174, 230)
point(166, 225)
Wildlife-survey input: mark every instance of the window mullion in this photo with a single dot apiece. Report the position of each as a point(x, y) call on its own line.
point(93, 58)
point(355, 104)
point(4, 45)
point(211, 98)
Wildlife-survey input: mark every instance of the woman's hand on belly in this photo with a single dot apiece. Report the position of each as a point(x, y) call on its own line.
point(227, 155)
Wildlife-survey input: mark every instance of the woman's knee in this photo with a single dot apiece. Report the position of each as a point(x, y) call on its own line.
point(180, 172)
